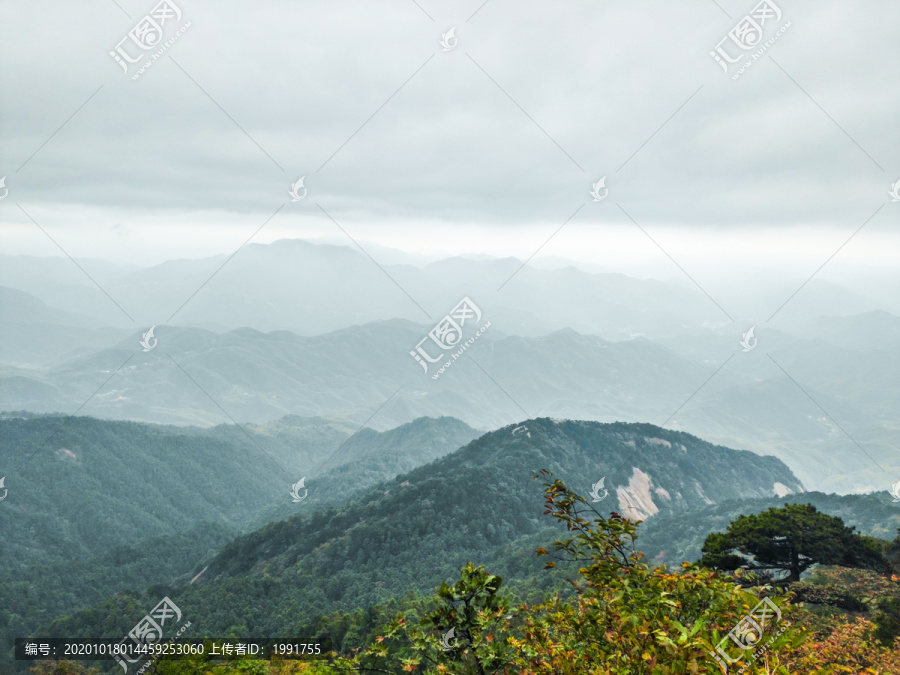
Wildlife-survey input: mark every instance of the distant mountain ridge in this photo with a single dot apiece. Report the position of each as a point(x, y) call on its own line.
point(35, 334)
point(262, 376)
point(819, 391)
point(311, 288)
point(257, 377)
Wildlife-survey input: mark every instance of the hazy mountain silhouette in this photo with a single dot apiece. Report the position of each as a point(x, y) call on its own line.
point(194, 376)
point(311, 288)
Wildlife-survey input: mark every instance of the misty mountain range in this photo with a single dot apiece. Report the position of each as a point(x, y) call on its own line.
point(334, 334)
point(310, 288)
point(187, 444)
point(302, 325)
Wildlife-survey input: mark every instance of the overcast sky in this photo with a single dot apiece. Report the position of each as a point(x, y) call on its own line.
point(488, 147)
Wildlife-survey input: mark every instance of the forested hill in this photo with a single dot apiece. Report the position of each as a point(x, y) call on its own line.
point(370, 457)
point(80, 486)
point(93, 507)
point(475, 504)
point(483, 495)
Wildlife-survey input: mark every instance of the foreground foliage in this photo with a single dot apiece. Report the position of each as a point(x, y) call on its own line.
point(622, 617)
point(625, 617)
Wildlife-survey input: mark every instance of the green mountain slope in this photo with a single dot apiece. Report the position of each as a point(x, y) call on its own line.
point(79, 486)
point(370, 457)
point(477, 504)
point(42, 592)
point(105, 506)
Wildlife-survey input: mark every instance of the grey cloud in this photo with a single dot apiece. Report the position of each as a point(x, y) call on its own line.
point(301, 78)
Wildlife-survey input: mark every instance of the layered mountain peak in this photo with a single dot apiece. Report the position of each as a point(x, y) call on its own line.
point(484, 494)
